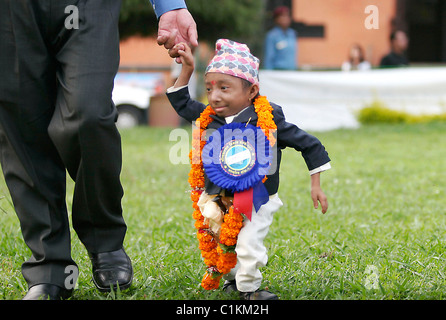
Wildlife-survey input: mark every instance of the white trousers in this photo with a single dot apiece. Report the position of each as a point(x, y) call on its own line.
point(251, 252)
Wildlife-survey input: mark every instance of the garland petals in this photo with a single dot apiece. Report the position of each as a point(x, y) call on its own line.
point(218, 251)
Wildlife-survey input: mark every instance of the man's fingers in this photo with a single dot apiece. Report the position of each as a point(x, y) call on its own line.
point(323, 201)
point(174, 52)
point(193, 36)
point(324, 205)
point(161, 39)
point(167, 39)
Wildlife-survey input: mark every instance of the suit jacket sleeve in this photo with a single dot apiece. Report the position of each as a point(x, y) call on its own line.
point(289, 135)
point(186, 107)
point(162, 6)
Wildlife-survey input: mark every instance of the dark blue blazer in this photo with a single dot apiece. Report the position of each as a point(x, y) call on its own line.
point(287, 135)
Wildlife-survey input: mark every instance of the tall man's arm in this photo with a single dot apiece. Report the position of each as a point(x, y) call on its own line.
point(176, 24)
point(162, 6)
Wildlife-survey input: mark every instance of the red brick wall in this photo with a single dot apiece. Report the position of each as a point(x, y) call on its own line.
point(344, 25)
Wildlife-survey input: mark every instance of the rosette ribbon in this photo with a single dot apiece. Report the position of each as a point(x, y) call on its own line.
point(237, 157)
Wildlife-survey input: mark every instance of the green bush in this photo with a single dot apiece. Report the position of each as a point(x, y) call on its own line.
point(378, 112)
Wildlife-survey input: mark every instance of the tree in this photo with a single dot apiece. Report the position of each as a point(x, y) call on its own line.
point(239, 20)
point(137, 18)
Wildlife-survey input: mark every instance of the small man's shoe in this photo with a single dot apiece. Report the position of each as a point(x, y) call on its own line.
point(46, 291)
point(229, 286)
point(258, 295)
point(111, 270)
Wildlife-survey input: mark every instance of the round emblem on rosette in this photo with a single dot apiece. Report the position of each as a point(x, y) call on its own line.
point(237, 156)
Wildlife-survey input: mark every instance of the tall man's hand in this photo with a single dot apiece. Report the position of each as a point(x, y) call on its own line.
point(177, 26)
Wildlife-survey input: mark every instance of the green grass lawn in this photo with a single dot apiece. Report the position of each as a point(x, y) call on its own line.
point(387, 213)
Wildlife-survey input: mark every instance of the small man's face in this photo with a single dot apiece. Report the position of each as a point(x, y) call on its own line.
point(227, 95)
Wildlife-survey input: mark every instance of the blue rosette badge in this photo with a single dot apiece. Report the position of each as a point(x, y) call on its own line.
point(237, 157)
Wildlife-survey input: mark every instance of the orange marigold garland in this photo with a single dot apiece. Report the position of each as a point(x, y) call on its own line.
point(265, 119)
point(218, 252)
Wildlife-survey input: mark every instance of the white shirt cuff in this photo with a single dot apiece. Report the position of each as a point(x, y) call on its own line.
point(173, 89)
point(323, 167)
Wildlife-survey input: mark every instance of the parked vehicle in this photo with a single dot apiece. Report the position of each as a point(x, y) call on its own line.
point(132, 94)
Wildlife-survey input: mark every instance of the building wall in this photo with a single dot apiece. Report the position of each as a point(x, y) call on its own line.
point(344, 25)
point(138, 51)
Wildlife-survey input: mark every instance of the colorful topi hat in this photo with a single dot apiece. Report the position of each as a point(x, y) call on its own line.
point(234, 59)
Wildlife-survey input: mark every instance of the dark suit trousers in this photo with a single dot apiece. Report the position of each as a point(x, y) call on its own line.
point(57, 115)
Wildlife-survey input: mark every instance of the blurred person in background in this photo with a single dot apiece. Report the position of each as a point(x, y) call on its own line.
point(356, 60)
point(281, 42)
point(397, 56)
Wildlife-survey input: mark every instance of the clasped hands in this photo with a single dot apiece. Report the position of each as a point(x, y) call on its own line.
point(174, 27)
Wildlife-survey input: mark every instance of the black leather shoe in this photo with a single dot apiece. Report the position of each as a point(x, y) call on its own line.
point(229, 286)
point(46, 291)
point(111, 270)
point(258, 295)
